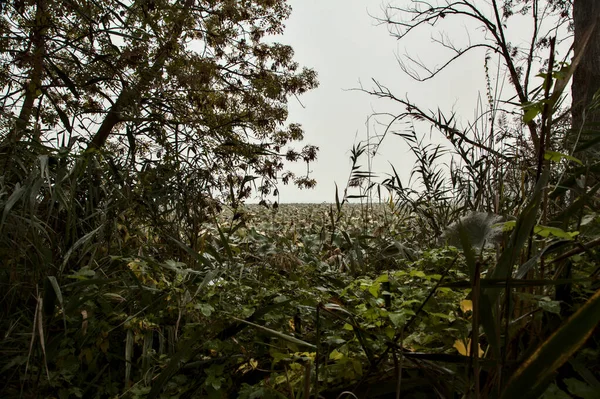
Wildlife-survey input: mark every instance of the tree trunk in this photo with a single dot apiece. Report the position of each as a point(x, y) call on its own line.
point(129, 96)
point(586, 79)
point(33, 85)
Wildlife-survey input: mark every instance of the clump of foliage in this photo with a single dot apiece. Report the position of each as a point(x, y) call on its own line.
point(133, 132)
point(500, 168)
point(126, 127)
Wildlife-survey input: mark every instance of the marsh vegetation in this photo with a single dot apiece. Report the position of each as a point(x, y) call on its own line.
point(133, 267)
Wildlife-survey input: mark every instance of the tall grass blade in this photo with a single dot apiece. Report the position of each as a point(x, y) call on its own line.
point(484, 306)
point(59, 297)
point(12, 200)
point(531, 377)
point(224, 241)
point(128, 356)
point(83, 240)
point(278, 334)
point(338, 205)
point(40, 327)
point(525, 223)
point(192, 253)
point(527, 266)
point(33, 330)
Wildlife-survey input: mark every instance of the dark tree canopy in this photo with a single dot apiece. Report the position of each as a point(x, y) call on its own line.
point(190, 81)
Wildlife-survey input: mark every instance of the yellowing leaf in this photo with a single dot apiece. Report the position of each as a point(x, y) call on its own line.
point(460, 347)
point(466, 305)
point(335, 355)
point(374, 289)
point(466, 350)
point(104, 345)
point(507, 226)
point(417, 273)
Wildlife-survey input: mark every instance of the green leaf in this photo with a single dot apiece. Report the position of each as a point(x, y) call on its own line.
point(531, 110)
point(557, 157)
point(554, 392)
point(214, 381)
point(398, 319)
point(585, 373)
point(204, 308)
point(550, 306)
point(525, 267)
point(545, 231)
point(509, 225)
point(65, 78)
point(531, 377)
point(224, 241)
point(441, 315)
point(581, 389)
point(63, 117)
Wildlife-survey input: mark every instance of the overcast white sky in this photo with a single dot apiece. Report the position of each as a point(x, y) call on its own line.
point(346, 46)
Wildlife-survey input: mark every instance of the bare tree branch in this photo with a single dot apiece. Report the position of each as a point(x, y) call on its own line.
point(440, 122)
point(404, 19)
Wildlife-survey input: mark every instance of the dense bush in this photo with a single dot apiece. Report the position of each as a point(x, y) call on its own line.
point(130, 266)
